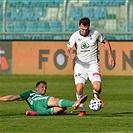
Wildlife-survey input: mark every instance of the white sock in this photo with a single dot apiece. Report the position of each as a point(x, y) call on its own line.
point(95, 94)
point(82, 104)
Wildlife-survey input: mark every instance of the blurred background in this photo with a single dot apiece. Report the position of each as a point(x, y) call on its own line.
point(58, 19)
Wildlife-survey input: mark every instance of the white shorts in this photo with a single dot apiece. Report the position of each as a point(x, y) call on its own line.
point(85, 71)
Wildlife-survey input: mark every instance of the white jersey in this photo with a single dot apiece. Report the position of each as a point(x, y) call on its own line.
point(86, 46)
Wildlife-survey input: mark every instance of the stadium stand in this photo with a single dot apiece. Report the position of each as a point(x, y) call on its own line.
point(70, 26)
point(23, 37)
point(0, 26)
point(1, 14)
point(50, 16)
point(28, 14)
point(75, 13)
point(43, 26)
point(10, 26)
point(131, 37)
point(89, 12)
point(56, 26)
point(19, 26)
point(36, 37)
point(110, 38)
point(31, 26)
point(39, 13)
point(131, 26)
point(11, 37)
point(16, 14)
point(58, 37)
point(47, 37)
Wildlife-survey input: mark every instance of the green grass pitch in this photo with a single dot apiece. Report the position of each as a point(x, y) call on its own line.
point(116, 117)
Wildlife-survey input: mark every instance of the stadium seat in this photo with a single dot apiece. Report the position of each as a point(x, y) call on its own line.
point(91, 4)
point(75, 13)
point(53, 4)
point(104, 3)
point(43, 3)
point(58, 37)
point(38, 3)
point(1, 25)
point(12, 3)
point(1, 14)
point(110, 38)
point(121, 37)
point(43, 26)
point(16, 14)
point(1, 37)
point(47, 37)
point(8, 15)
point(89, 12)
point(10, 26)
point(37, 37)
point(116, 4)
point(23, 37)
point(26, 3)
point(131, 26)
point(21, 4)
point(10, 37)
point(47, 3)
point(1, 3)
point(122, 2)
point(70, 26)
point(39, 13)
point(131, 37)
point(56, 26)
point(19, 26)
point(31, 26)
point(100, 13)
point(28, 14)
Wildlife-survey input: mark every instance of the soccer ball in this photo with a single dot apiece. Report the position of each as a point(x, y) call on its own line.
point(95, 104)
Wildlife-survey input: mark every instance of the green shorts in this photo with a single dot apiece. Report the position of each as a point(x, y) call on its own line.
point(41, 106)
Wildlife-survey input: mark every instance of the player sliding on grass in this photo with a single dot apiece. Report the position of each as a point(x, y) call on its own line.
point(86, 59)
point(43, 105)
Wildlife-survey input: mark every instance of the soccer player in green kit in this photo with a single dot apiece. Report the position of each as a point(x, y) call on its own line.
point(43, 105)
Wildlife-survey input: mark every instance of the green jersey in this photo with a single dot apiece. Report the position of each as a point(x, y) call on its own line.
point(37, 102)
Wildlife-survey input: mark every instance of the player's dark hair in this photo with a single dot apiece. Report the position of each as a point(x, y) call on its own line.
point(85, 21)
point(38, 83)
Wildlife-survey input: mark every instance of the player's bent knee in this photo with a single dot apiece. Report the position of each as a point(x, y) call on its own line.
point(58, 110)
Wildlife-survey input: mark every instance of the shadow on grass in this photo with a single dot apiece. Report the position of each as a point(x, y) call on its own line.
point(119, 114)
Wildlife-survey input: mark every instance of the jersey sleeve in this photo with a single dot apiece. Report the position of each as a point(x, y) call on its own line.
point(101, 37)
point(71, 41)
point(25, 95)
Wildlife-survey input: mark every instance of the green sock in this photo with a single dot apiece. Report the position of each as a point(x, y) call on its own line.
point(65, 103)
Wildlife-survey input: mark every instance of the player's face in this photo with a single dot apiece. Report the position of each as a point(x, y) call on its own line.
point(84, 29)
point(41, 88)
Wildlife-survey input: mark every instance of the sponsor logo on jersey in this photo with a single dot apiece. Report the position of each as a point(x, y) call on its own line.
point(85, 46)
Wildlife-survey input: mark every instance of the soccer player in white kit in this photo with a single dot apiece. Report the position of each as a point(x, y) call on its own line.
point(86, 59)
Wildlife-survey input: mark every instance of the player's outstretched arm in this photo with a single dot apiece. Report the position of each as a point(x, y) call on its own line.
point(108, 47)
point(10, 98)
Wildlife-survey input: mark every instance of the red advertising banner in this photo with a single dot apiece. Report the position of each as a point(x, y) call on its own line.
point(5, 57)
point(48, 57)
